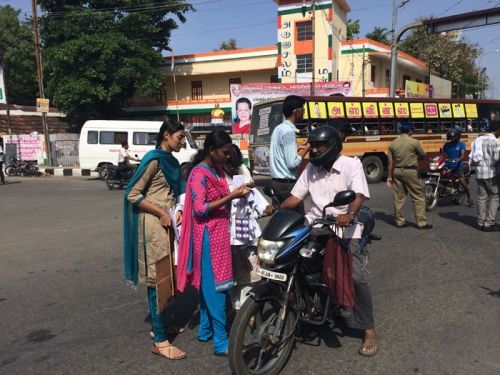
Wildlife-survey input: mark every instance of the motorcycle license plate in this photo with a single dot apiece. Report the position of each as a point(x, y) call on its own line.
point(434, 174)
point(271, 275)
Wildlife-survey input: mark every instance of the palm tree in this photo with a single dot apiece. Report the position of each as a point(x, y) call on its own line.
point(352, 28)
point(379, 34)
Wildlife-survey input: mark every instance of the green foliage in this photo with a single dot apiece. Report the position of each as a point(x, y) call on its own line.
point(18, 49)
point(453, 58)
point(97, 54)
point(228, 45)
point(379, 34)
point(352, 28)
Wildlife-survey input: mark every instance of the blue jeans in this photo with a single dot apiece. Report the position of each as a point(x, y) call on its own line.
point(212, 303)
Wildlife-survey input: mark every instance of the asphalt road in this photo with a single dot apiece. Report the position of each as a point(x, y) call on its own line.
point(65, 309)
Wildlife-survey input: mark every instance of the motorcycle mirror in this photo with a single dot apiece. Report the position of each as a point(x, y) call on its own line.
point(343, 198)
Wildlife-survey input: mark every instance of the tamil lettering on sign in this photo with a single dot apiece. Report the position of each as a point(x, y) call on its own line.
point(370, 110)
point(336, 109)
point(386, 109)
point(353, 109)
point(417, 110)
point(401, 110)
point(431, 110)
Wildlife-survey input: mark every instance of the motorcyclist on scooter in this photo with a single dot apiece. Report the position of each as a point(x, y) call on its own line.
point(328, 173)
point(454, 152)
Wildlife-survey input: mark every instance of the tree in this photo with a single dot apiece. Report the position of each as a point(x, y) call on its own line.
point(352, 28)
point(379, 34)
point(17, 48)
point(228, 45)
point(454, 59)
point(97, 54)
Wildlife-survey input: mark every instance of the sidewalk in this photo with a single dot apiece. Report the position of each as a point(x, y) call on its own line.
point(64, 172)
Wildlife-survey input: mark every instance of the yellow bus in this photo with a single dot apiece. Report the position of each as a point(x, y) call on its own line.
point(372, 123)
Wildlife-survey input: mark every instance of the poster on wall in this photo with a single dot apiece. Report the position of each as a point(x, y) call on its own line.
point(415, 89)
point(3, 99)
point(244, 96)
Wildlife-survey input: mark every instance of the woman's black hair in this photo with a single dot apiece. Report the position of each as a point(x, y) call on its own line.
point(215, 139)
point(235, 157)
point(171, 127)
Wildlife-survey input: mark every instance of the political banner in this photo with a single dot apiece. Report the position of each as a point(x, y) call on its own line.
point(244, 96)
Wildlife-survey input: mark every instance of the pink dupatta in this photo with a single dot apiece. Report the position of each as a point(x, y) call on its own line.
point(186, 245)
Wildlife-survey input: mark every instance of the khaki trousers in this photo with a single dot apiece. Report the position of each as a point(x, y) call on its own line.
point(406, 181)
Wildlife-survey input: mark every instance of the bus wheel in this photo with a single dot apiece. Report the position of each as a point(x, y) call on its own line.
point(374, 168)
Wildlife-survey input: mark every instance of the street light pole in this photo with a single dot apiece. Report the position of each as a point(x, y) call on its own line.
point(394, 46)
point(493, 85)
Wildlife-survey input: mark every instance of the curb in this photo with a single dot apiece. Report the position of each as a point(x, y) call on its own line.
point(65, 172)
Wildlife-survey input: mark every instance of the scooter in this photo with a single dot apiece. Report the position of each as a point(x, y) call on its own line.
point(443, 182)
point(292, 291)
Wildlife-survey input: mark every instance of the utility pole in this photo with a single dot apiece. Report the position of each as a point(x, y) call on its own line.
point(394, 46)
point(39, 73)
point(3, 64)
point(313, 21)
point(363, 66)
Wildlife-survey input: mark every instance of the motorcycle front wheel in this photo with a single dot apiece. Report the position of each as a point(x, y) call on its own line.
point(431, 196)
point(253, 349)
point(11, 171)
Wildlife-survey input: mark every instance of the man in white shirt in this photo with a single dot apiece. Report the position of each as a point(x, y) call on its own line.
point(124, 156)
point(486, 156)
point(327, 174)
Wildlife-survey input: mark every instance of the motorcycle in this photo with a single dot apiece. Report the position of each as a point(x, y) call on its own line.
point(292, 292)
point(118, 176)
point(20, 168)
point(443, 182)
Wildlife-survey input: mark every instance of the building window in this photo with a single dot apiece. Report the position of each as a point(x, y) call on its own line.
point(304, 63)
point(161, 96)
point(373, 73)
point(274, 79)
point(304, 30)
point(234, 81)
point(196, 90)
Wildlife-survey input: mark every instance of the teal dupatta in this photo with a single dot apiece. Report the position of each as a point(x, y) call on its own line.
point(171, 169)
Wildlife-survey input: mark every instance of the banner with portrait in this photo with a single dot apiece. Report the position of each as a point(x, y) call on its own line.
point(244, 96)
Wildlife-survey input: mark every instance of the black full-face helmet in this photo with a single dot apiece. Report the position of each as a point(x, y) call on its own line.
point(328, 136)
point(453, 135)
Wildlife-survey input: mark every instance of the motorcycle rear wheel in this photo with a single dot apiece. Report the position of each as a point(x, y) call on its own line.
point(250, 350)
point(11, 171)
point(430, 196)
point(459, 197)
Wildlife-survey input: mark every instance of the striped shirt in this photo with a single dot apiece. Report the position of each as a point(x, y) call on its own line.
point(485, 154)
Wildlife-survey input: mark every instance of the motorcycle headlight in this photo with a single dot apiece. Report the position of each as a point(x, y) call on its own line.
point(433, 166)
point(267, 250)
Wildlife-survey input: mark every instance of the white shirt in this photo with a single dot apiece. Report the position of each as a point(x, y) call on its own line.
point(1, 154)
point(123, 154)
point(346, 174)
point(484, 152)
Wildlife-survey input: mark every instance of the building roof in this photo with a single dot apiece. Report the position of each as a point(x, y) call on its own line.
point(343, 3)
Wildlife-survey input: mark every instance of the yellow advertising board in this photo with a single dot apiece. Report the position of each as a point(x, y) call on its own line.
point(401, 110)
point(417, 110)
point(336, 109)
point(431, 110)
point(444, 110)
point(458, 110)
point(306, 112)
point(386, 109)
point(471, 110)
point(415, 89)
point(317, 110)
point(370, 110)
point(353, 109)
point(42, 105)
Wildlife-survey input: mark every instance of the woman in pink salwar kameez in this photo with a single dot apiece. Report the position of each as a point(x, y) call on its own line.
point(204, 249)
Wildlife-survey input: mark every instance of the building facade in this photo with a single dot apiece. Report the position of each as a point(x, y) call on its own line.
point(311, 46)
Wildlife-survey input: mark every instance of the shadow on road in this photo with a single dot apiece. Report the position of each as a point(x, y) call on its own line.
point(491, 292)
point(464, 219)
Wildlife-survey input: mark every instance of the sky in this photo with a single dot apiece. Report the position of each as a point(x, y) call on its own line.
point(253, 24)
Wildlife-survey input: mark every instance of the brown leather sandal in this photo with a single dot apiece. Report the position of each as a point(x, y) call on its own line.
point(169, 352)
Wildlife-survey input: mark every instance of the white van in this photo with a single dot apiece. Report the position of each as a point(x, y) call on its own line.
point(100, 142)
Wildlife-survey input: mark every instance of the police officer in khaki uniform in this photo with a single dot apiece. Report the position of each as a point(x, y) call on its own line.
point(404, 153)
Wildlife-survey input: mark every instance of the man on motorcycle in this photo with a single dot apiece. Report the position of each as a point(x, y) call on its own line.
point(124, 158)
point(454, 152)
point(327, 174)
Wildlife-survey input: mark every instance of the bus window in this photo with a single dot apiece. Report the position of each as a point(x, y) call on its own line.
point(371, 127)
point(92, 137)
point(144, 138)
point(460, 124)
point(112, 138)
point(387, 127)
point(356, 128)
point(419, 127)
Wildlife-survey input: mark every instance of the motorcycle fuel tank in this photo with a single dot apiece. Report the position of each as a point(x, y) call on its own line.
point(283, 222)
